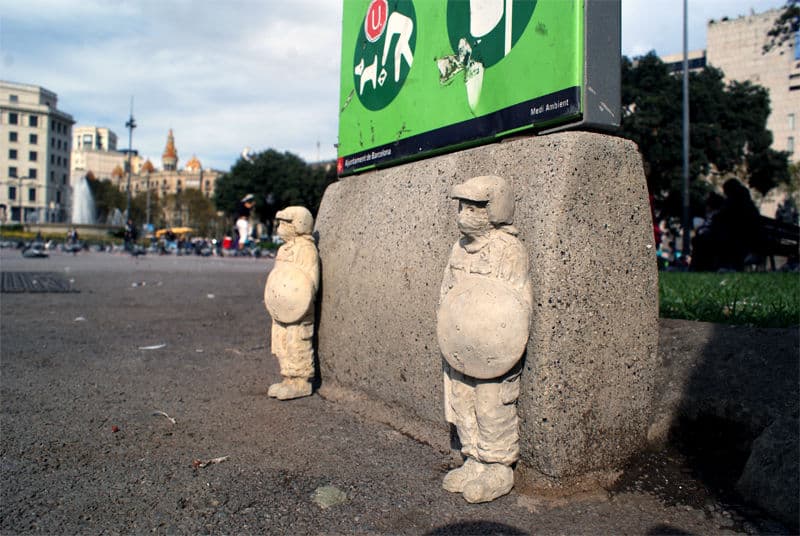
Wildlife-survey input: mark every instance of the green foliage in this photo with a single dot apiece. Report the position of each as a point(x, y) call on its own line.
point(758, 299)
point(727, 130)
point(139, 207)
point(283, 178)
point(189, 208)
point(784, 27)
point(107, 197)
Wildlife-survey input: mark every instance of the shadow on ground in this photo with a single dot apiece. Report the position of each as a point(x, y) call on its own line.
point(725, 432)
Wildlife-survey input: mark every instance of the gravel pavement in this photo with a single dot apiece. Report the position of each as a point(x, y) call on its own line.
point(84, 451)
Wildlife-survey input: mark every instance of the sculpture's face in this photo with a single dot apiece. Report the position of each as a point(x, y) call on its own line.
point(473, 218)
point(286, 230)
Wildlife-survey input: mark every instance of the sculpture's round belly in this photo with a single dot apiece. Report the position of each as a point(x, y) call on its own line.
point(288, 294)
point(482, 327)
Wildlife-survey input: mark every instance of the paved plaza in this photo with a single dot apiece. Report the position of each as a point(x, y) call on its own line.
point(92, 376)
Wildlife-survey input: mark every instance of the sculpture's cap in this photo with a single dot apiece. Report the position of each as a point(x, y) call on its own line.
point(300, 216)
point(248, 197)
point(492, 190)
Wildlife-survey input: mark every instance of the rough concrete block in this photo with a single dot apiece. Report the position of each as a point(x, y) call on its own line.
point(583, 212)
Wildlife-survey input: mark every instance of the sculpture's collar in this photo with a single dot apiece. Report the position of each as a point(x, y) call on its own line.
point(475, 244)
point(298, 239)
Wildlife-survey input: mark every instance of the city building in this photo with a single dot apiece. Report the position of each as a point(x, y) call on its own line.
point(736, 46)
point(94, 150)
point(170, 179)
point(695, 58)
point(35, 140)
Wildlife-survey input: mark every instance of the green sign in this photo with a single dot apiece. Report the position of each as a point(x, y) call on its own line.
point(423, 77)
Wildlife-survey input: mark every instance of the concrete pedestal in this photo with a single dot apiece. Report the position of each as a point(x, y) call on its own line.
point(583, 213)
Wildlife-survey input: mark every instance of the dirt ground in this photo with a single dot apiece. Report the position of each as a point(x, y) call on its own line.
point(83, 451)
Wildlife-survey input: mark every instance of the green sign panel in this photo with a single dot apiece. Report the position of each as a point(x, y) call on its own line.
point(421, 77)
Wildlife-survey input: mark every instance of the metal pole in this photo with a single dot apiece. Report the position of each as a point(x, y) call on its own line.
point(147, 217)
point(130, 124)
point(687, 226)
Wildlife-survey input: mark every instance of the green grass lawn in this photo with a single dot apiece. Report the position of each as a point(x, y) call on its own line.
point(756, 299)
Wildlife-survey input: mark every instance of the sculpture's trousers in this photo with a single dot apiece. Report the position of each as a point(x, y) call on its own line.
point(292, 345)
point(485, 415)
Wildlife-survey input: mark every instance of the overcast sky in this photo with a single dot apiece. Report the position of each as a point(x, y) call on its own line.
point(225, 74)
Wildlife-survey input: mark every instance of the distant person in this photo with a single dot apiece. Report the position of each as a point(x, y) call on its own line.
point(705, 245)
point(736, 227)
point(72, 241)
point(243, 211)
point(130, 235)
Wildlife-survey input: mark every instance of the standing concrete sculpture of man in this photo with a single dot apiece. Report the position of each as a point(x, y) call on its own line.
point(482, 328)
point(289, 296)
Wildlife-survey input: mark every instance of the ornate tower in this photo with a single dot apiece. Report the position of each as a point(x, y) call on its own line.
point(169, 159)
point(193, 165)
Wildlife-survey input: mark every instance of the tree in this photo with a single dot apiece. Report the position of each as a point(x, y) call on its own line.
point(277, 180)
point(728, 131)
point(139, 207)
point(785, 26)
point(107, 197)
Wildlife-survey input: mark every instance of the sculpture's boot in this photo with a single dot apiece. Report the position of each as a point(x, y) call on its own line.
point(456, 479)
point(275, 389)
point(294, 388)
point(494, 481)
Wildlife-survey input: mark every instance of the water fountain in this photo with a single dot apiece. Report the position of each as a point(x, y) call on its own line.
point(83, 209)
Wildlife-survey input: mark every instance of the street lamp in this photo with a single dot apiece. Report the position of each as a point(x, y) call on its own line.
point(130, 125)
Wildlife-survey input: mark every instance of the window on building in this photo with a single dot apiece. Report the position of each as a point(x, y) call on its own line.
point(12, 136)
point(790, 144)
point(33, 156)
point(31, 194)
point(64, 178)
point(13, 118)
point(12, 172)
point(797, 45)
point(791, 121)
point(12, 193)
point(52, 176)
point(87, 141)
point(31, 173)
point(53, 159)
point(12, 154)
point(13, 98)
point(58, 196)
point(33, 139)
point(58, 144)
point(33, 120)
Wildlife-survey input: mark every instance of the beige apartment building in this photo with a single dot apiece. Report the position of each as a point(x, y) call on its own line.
point(35, 138)
point(736, 47)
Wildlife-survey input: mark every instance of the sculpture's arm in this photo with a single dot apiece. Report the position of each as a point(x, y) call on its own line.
point(514, 269)
point(307, 259)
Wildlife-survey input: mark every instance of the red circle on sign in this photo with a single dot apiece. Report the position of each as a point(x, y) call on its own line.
point(375, 22)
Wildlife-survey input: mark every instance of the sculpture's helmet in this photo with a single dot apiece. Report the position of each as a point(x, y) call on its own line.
point(300, 216)
point(492, 190)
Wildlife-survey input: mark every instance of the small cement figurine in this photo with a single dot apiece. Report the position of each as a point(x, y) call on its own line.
point(482, 328)
point(289, 296)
